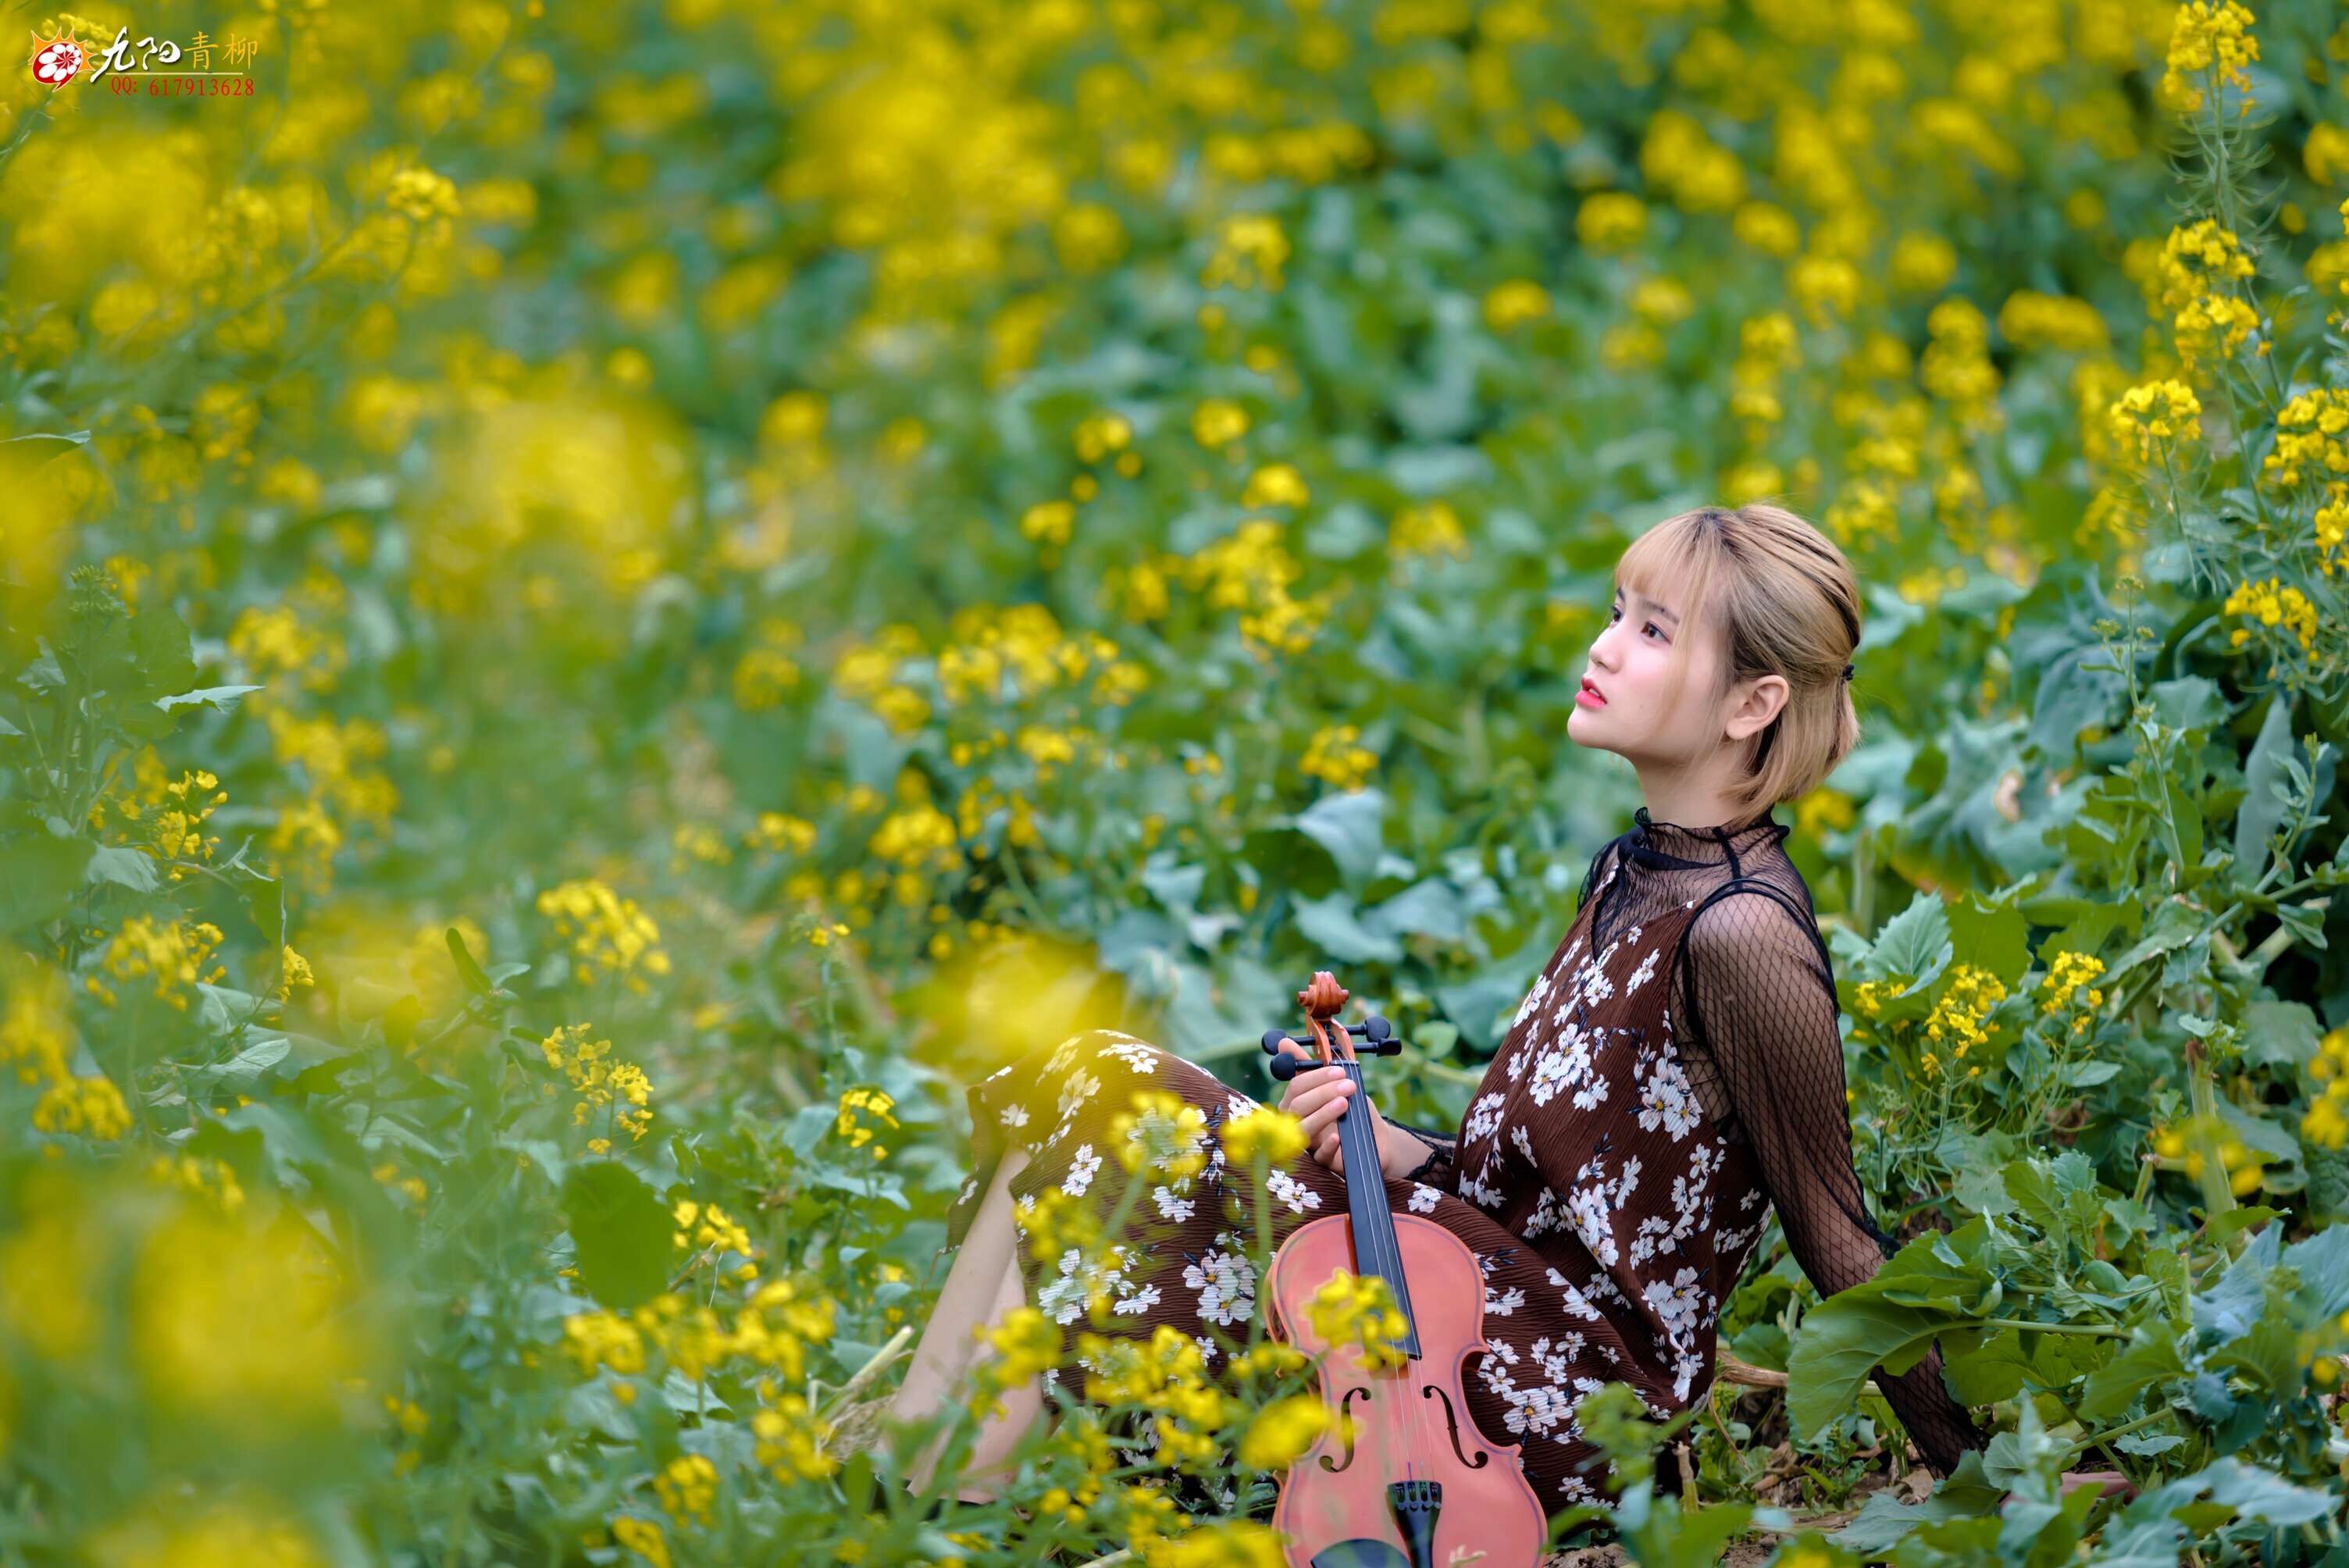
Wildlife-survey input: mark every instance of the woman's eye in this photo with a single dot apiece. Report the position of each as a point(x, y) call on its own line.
point(1618, 610)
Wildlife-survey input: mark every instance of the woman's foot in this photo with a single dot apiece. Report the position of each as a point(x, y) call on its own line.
point(882, 1497)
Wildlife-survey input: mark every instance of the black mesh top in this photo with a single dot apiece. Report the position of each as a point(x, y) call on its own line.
point(1764, 1053)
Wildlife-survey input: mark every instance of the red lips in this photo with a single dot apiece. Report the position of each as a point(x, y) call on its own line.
point(1592, 689)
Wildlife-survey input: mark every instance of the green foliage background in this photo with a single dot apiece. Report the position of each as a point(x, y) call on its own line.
point(605, 604)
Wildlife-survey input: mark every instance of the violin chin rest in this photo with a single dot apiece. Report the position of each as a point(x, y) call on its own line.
point(1364, 1554)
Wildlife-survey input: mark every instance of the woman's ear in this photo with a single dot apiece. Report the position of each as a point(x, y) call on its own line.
point(1761, 700)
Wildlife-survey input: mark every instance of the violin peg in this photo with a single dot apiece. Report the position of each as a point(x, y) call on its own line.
point(1285, 1066)
point(1274, 1039)
point(1377, 1030)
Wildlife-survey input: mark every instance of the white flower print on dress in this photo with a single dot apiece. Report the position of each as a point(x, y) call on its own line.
point(1484, 1116)
point(1423, 1198)
point(1062, 1056)
point(1224, 1280)
point(1014, 1115)
point(1547, 1215)
point(1575, 1301)
point(1082, 1166)
point(1534, 998)
point(1627, 1182)
point(1063, 1297)
point(1291, 1191)
point(1171, 1207)
point(1134, 1053)
point(1586, 1207)
point(1549, 1076)
point(1640, 976)
point(1080, 1087)
point(1686, 1365)
point(1677, 1303)
point(1140, 1302)
point(1523, 1140)
point(1666, 1101)
point(1505, 1304)
point(1479, 1189)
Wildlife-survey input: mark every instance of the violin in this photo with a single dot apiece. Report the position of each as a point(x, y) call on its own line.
point(1401, 1478)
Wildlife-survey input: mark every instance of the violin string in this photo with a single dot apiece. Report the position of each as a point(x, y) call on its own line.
point(1387, 1261)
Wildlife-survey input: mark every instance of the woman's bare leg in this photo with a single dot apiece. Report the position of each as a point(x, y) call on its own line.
point(982, 1283)
point(1001, 1432)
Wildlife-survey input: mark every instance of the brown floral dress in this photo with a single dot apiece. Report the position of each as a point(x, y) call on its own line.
point(1601, 1175)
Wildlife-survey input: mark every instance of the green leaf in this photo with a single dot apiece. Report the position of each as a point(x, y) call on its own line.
point(2322, 1263)
point(1915, 942)
point(224, 698)
point(38, 873)
point(2182, 823)
point(1991, 1371)
point(264, 900)
point(1968, 1499)
point(620, 1233)
point(2263, 810)
point(1330, 926)
point(2242, 1493)
point(1348, 826)
point(2229, 1308)
point(2071, 697)
point(2175, 924)
point(467, 969)
point(160, 645)
point(2149, 1358)
point(124, 865)
point(250, 1063)
point(1844, 1339)
point(2279, 1035)
point(2305, 924)
point(1990, 936)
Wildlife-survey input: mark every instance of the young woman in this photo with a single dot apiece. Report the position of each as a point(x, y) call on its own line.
point(1674, 1073)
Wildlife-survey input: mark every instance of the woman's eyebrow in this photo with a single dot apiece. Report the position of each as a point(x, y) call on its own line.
point(1651, 604)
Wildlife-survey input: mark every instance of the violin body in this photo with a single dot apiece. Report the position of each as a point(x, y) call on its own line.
point(1402, 1479)
point(1337, 1506)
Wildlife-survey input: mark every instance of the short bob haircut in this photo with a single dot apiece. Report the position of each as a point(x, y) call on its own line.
point(1778, 598)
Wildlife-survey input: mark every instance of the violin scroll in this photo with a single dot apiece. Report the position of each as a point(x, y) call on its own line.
point(1321, 1001)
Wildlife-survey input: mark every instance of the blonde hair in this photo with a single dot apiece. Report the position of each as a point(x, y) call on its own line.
point(1778, 598)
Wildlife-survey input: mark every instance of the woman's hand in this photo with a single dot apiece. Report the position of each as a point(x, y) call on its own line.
point(2103, 1480)
point(1317, 1097)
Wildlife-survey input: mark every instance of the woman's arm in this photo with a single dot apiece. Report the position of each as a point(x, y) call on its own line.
point(1760, 994)
point(1419, 1154)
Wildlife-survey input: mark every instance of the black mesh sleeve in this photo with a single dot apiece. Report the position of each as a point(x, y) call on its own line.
point(1438, 1168)
point(1758, 991)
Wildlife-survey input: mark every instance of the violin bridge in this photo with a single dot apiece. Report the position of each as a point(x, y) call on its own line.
point(1416, 1504)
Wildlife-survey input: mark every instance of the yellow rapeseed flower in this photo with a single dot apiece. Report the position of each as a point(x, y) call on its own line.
point(2273, 602)
point(1511, 305)
point(2164, 411)
point(1277, 1133)
point(2208, 42)
point(1217, 422)
point(1610, 220)
point(1282, 1430)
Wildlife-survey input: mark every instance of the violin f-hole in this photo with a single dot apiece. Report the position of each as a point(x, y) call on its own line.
point(1452, 1423)
point(1345, 1429)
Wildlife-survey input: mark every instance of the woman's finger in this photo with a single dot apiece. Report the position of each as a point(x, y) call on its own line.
point(1301, 1087)
point(1321, 1096)
point(1325, 1113)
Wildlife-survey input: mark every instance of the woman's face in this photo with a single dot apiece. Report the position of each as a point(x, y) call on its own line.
point(1632, 665)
